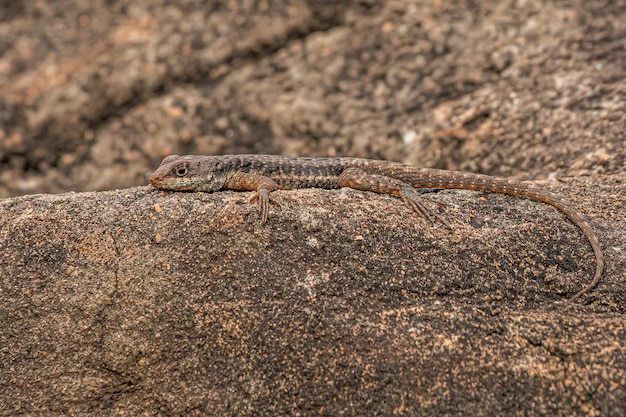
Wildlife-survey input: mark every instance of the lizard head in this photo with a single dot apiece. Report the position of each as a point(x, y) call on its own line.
point(189, 173)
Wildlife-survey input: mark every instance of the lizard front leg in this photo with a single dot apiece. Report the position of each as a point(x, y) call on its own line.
point(360, 180)
point(261, 185)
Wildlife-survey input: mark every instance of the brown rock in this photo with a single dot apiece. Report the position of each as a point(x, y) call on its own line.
point(330, 308)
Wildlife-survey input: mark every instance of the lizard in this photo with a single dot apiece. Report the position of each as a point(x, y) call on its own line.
point(264, 174)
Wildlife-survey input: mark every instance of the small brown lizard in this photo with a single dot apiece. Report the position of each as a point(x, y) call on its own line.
point(264, 174)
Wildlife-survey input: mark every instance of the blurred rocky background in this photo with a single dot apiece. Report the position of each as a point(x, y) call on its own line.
point(94, 93)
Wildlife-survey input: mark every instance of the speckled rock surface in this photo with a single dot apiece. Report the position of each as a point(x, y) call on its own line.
point(141, 302)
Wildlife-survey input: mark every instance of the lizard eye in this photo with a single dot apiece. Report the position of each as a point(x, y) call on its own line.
point(181, 170)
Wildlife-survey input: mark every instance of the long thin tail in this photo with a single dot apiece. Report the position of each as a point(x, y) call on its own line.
point(433, 178)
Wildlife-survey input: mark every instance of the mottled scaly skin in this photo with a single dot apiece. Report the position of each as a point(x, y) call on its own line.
point(267, 173)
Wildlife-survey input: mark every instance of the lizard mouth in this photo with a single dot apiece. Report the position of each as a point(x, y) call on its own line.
point(179, 184)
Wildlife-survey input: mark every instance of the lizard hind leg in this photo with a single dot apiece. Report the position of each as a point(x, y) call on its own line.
point(361, 180)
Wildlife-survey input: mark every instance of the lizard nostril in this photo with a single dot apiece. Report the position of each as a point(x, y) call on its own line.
point(154, 179)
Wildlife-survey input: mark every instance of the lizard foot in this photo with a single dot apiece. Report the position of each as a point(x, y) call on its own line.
point(263, 197)
point(413, 200)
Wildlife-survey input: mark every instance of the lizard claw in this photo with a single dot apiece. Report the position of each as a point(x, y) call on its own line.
point(262, 196)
